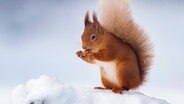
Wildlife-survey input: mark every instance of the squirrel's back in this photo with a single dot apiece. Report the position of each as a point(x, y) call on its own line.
point(115, 17)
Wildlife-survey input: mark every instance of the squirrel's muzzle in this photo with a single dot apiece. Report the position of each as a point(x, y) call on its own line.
point(84, 46)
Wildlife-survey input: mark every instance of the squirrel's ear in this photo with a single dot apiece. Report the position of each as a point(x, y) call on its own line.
point(86, 20)
point(97, 24)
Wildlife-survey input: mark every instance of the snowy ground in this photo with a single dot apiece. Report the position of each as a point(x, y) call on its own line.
point(35, 35)
point(47, 90)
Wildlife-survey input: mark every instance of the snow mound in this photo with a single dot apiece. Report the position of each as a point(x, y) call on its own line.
point(47, 90)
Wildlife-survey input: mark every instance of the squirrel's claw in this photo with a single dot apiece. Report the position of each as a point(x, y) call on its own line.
point(101, 88)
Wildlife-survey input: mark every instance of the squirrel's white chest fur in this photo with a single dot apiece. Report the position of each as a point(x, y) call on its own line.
point(109, 68)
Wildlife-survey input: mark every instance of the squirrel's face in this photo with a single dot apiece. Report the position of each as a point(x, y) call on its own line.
point(93, 34)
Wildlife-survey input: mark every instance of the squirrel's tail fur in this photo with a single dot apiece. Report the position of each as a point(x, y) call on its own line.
point(115, 17)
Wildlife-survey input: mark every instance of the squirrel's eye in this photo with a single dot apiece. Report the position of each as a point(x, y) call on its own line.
point(93, 37)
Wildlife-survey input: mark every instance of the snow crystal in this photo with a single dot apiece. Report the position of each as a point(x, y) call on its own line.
point(47, 90)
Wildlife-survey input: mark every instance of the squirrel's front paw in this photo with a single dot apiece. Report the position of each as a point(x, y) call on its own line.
point(79, 54)
point(88, 54)
point(85, 55)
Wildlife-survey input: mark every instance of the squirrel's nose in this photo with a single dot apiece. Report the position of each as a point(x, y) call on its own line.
point(84, 46)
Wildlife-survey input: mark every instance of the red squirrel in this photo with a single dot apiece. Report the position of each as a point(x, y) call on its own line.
point(115, 43)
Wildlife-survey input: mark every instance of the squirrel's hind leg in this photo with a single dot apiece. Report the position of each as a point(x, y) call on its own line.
point(119, 90)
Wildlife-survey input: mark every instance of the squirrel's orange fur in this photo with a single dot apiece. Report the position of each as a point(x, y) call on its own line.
point(118, 45)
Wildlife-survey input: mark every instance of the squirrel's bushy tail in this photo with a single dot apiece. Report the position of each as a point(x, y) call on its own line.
point(115, 17)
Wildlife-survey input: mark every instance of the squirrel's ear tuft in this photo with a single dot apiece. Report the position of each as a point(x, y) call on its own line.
point(97, 24)
point(86, 20)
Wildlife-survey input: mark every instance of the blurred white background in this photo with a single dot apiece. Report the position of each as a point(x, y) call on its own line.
point(41, 37)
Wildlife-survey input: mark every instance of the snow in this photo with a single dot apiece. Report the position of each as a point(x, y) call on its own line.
point(48, 90)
